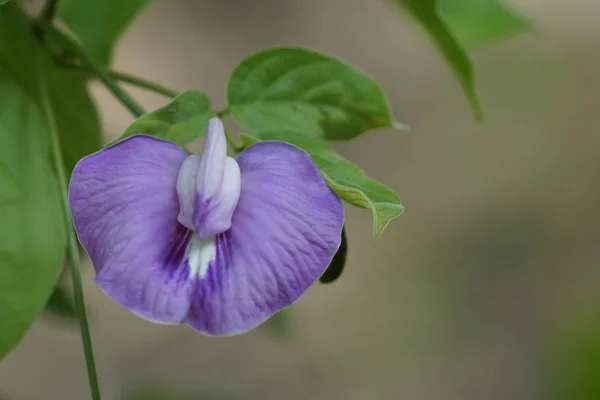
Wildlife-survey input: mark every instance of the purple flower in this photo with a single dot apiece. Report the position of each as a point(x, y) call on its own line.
point(215, 242)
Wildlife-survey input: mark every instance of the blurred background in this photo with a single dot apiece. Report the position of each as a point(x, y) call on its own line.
point(487, 287)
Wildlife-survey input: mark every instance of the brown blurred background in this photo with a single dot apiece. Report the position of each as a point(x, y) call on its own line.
point(475, 293)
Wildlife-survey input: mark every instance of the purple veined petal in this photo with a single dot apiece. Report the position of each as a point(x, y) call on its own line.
point(212, 164)
point(124, 205)
point(285, 230)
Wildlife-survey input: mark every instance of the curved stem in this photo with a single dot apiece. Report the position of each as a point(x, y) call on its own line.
point(65, 42)
point(72, 247)
point(143, 83)
point(124, 77)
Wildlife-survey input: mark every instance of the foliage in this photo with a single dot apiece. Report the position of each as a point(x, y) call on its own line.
point(477, 22)
point(453, 23)
point(99, 23)
point(302, 91)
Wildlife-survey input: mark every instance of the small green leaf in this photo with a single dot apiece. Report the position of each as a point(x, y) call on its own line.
point(98, 24)
point(32, 226)
point(181, 121)
point(475, 22)
point(346, 179)
point(336, 267)
point(248, 140)
point(427, 14)
point(61, 303)
point(303, 91)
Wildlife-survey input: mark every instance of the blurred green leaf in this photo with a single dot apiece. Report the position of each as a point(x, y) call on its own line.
point(181, 121)
point(61, 303)
point(426, 12)
point(474, 22)
point(348, 180)
point(303, 91)
point(336, 267)
point(99, 23)
point(574, 369)
point(32, 226)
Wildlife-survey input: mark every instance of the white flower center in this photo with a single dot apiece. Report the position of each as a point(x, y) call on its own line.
point(199, 254)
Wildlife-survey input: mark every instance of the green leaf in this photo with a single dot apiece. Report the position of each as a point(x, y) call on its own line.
point(99, 23)
point(572, 364)
point(75, 113)
point(303, 91)
point(181, 121)
point(336, 267)
point(348, 180)
point(61, 303)
point(32, 230)
point(427, 14)
point(475, 22)
point(32, 225)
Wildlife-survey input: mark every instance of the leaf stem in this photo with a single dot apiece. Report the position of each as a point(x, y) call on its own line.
point(72, 247)
point(95, 67)
point(143, 83)
point(124, 77)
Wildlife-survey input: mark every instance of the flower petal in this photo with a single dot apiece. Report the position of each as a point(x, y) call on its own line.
point(214, 215)
point(186, 189)
point(286, 229)
point(212, 164)
point(124, 205)
point(208, 186)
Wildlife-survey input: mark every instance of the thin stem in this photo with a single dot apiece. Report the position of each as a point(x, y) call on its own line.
point(222, 113)
point(49, 10)
point(124, 77)
point(99, 70)
point(143, 83)
point(72, 247)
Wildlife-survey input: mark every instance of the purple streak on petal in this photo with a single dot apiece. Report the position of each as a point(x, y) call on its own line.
point(124, 205)
point(286, 229)
point(213, 215)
